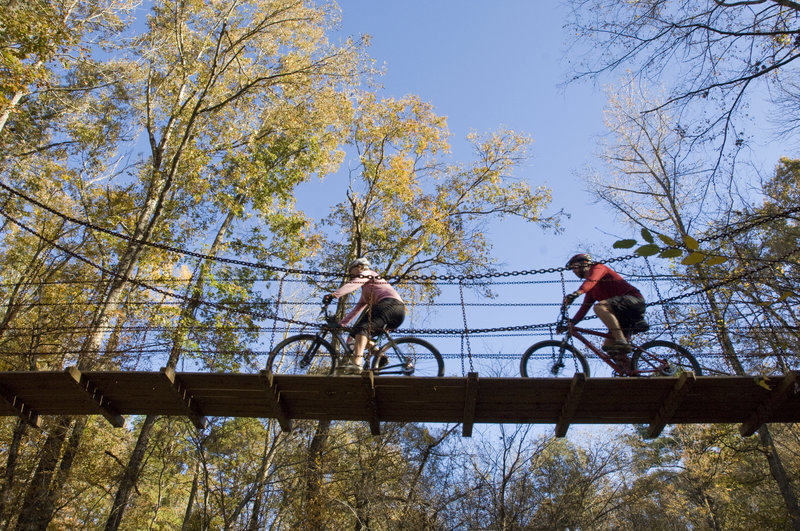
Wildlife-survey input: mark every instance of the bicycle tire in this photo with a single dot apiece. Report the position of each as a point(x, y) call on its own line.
point(424, 357)
point(678, 358)
point(539, 361)
point(286, 357)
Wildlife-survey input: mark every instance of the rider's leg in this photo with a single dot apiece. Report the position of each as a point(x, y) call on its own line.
point(606, 315)
point(359, 344)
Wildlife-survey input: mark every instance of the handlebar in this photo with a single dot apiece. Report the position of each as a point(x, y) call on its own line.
point(563, 324)
point(330, 320)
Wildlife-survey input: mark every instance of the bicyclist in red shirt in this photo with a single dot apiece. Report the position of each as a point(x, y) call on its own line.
point(619, 305)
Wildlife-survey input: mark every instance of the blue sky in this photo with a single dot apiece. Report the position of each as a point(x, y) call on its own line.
point(487, 66)
point(490, 65)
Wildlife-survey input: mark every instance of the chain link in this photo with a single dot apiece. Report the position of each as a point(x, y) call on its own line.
point(277, 309)
point(466, 328)
point(658, 293)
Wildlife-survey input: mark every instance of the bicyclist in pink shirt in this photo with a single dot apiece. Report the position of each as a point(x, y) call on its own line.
point(379, 305)
point(619, 305)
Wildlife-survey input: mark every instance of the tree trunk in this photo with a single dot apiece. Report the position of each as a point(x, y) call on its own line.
point(44, 489)
point(11, 465)
point(134, 466)
point(187, 516)
point(131, 474)
point(312, 504)
point(780, 476)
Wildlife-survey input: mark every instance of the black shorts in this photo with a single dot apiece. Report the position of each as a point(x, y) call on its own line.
point(629, 309)
point(388, 312)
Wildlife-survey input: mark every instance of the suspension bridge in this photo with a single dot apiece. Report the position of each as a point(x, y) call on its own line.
point(468, 400)
point(654, 402)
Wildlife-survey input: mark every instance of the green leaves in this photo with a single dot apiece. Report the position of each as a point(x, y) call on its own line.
point(688, 248)
point(647, 250)
point(624, 244)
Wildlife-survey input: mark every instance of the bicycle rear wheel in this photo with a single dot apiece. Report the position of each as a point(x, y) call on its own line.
point(301, 354)
point(546, 360)
point(663, 358)
point(408, 356)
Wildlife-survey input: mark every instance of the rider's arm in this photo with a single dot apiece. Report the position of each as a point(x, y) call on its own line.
point(357, 309)
point(582, 311)
point(351, 286)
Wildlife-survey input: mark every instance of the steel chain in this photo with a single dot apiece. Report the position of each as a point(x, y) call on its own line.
point(745, 226)
point(466, 328)
point(277, 309)
point(663, 306)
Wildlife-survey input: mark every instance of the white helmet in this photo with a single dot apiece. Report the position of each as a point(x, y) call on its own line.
point(359, 262)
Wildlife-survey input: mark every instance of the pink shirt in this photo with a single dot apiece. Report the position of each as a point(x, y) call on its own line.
point(373, 290)
point(602, 283)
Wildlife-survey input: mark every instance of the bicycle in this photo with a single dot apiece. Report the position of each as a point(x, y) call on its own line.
point(320, 353)
point(560, 358)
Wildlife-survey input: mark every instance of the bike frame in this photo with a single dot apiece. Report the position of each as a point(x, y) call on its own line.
point(342, 348)
point(655, 363)
point(577, 332)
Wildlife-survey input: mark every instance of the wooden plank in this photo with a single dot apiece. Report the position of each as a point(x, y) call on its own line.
point(776, 398)
point(470, 404)
point(273, 396)
point(733, 399)
point(185, 399)
point(671, 403)
point(23, 410)
point(570, 404)
point(368, 386)
point(90, 390)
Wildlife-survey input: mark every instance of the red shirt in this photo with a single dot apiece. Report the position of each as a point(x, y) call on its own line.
point(602, 283)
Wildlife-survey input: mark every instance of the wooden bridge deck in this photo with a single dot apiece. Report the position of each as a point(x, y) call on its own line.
point(559, 401)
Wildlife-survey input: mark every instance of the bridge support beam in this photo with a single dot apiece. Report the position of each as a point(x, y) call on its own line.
point(788, 387)
point(23, 410)
point(570, 404)
point(96, 396)
point(470, 403)
point(185, 398)
point(671, 404)
point(273, 396)
point(368, 385)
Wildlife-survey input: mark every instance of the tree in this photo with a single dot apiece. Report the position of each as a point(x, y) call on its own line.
point(412, 214)
point(658, 182)
point(712, 55)
point(199, 105)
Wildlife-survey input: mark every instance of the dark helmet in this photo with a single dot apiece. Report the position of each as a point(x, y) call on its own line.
point(358, 262)
point(581, 257)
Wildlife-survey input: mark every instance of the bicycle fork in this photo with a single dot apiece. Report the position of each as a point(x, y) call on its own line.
point(558, 362)
point(310, 354)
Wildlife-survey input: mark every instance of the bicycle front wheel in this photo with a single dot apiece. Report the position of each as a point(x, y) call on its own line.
point(301, 354)
point(551, 359)
point(663, 358)
point(408, 356)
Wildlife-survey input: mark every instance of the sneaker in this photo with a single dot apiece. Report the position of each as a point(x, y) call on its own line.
point(617, 346)
point(349, 367)
point(621, 359)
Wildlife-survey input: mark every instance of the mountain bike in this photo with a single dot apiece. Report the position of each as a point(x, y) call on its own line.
point(550, 358)
point(322, 352)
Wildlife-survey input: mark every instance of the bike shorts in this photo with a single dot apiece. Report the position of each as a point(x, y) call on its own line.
point(629, 309)
point(388, 313)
